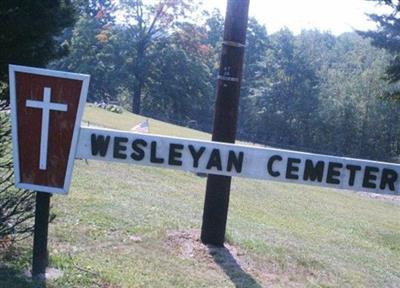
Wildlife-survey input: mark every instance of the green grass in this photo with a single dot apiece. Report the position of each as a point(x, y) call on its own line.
point(126, 121)
point(287, 235)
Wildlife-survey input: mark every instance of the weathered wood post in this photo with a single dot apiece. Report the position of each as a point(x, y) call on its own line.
point(40, 254)
point(225, 118)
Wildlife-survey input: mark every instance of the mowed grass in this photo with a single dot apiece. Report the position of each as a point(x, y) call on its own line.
point(112, 230)
point(126, 121)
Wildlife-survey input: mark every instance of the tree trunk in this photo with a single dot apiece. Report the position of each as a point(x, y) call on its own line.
point(139, 77)
point(137, 93)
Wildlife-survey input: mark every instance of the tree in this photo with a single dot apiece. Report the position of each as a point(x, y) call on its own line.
point(257, 44)
point(147, 24)
point(92, 48)
point(289, 96)
point(29, 36)
point(179, 88)
point(102, 10)
point(387, 36)
point(354, 119)
point(28, 32)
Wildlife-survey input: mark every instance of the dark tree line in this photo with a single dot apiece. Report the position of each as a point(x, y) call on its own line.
point(30, 35)
point(28, 30)
point(313, 91)
point(387, 36)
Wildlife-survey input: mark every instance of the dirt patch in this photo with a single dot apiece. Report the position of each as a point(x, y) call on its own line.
point(187, 245)
point(382, 197)
point(230, 259)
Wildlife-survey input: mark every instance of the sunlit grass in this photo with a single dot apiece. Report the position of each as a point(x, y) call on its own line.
point(289, 235)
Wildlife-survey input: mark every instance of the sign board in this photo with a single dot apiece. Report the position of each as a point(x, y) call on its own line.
point(239, 160)
point(46, 109)
point(46, 112)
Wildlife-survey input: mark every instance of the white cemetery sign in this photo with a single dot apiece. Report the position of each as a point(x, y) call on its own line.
point(185, 154)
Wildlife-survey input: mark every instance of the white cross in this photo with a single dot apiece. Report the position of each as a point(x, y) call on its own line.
point(46, 106)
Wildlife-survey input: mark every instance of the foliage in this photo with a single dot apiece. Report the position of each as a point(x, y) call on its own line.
point(313, 91)
point(287, 96)
point(146, 25)
point(92, 52)
point(357, 121)
point(30, 35)
point(257, 44)
point(28, 32)
point(387, 36)
point(180, 87)
point(101, 10)
point(16, 206)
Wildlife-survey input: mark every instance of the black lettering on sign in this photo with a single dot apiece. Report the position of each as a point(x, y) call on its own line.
point(174, 154)
point(369, 177)
point(137, 147)
point(353, 170)
point(99, 144)
point(153, 154)
point(196, 154)
point(235, 160)
point(389, 177)
point(119, 147)
point(333, 172)
point(313, 172)
point(291, 168)
point(271, 161)
point(214, 160)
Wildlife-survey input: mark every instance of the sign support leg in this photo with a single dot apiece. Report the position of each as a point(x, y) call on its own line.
point(40, 253)
point(225, 118)
point(215, 209)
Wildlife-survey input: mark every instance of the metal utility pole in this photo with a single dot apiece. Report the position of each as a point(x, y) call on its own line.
point(225, 118)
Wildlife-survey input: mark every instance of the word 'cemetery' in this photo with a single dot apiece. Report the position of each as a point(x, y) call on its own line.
point(237, 160)
point(54, 102)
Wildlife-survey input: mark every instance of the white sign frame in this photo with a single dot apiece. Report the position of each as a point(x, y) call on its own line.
point(223, 158)
point(255, 161)
point(14, 127)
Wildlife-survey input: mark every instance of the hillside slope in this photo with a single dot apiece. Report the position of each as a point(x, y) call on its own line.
point(132, 226)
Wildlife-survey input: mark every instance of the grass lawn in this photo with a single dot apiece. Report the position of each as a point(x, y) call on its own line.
point(132, 226)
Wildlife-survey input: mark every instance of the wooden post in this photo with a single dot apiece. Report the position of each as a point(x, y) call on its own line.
point(40, 253)
point(225, 118)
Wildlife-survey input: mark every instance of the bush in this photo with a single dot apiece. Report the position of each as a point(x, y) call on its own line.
point(16, 205)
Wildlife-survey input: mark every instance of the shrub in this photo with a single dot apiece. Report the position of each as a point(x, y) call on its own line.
point(16, 205)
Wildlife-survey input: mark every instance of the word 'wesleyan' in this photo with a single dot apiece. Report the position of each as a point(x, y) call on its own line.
point(244, 161)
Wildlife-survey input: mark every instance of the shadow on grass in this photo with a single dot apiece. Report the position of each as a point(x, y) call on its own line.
point(13, 278)
point(224, 259)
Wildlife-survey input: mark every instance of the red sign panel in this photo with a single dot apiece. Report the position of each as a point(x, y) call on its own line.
point(47, 108)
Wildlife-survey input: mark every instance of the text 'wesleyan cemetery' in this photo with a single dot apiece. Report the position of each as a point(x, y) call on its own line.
point(236, 160)
point(54, 101)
